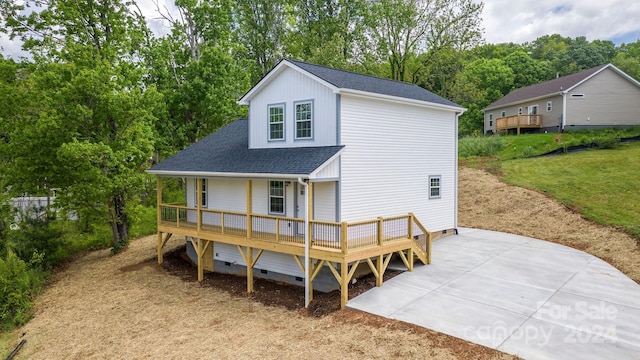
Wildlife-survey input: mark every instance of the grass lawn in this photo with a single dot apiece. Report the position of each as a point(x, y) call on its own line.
point(603, 185)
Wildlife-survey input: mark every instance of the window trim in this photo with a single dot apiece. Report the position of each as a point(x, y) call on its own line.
point(549, 106)
point(284, 198)
point(520, 110)
point(284, 119)
point(432, 187)
point(503, 114)
point(203, 191)
point(297, 122)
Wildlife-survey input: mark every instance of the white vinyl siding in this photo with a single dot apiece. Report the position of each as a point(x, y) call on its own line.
point(324, 201)
point(289, 88)
point(391, 150)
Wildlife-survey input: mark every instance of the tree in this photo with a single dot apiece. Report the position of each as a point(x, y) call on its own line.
point(197, 69)
point(401, 30)
point(262, 28)
point(87, 128)
point(628, 59)
point(327, 32)
point(527, 71)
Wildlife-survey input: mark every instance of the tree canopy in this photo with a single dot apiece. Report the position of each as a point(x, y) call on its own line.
point(102, 96)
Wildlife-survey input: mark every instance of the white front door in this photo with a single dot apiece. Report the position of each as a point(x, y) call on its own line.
point(301, 198)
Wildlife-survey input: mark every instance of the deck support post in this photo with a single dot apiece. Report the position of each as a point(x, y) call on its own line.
point(249, 270)
point(379, 266)
point(344, 284)
point(199, 252)
point(159, 216)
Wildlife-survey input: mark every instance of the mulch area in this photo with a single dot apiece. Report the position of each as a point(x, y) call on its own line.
point(268, 292)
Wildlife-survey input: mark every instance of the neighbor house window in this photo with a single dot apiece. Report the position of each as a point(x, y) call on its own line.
point(549, 106)
point(434, 187)
point(276, 122)
point(203, 192)
point(276, 197)
point(519, 111)
point(304, 119)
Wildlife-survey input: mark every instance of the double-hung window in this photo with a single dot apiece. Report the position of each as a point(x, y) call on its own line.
point(276, 122)
point(276, 197)
point(304, 119)
point(434, 187)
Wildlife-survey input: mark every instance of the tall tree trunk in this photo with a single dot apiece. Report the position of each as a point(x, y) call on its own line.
point(119, 222)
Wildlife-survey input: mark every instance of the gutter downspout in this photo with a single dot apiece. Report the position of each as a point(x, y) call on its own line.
point(306, 242)
point(455, 172)
point(564, 111)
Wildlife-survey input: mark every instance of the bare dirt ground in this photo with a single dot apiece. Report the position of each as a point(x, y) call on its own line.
point(487, 203)
point(128, 306)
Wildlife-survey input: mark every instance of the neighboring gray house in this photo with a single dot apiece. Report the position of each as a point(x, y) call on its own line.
point(601, 97)
point(340, 167)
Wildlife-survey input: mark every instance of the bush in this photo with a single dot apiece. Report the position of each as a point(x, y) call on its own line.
point(480, 146)
point(19, 282)
point(37, 236)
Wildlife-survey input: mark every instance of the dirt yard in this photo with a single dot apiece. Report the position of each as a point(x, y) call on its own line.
point(127, 306)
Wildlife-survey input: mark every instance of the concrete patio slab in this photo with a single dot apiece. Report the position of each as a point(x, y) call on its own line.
point(523, 296)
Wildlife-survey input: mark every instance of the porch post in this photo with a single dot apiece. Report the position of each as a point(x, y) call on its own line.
point(159, 216)
point(310, 232)
point(199, 202)
point(249, 207)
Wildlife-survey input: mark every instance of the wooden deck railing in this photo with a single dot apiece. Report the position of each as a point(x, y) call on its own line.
point(336, 236)
point(519, 121)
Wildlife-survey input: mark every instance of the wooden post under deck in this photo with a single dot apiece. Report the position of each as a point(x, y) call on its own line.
point(249, 261)
point(159, 215)
point(344, 284)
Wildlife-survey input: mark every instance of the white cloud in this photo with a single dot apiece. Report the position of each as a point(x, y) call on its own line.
point(524, 21)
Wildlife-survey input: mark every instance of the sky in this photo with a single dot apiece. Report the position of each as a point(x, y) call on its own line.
point(516, 21)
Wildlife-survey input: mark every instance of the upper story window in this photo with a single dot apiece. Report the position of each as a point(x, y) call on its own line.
point(276, 122)
point(276, 197)
point(304, 120)
point(549, 106)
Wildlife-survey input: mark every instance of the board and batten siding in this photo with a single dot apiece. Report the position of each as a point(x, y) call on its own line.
point(289, 87)
point(391, 150)
point(609, 99)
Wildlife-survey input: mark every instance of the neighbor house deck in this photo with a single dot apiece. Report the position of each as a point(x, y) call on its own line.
point(341, 246)
point(518, 122)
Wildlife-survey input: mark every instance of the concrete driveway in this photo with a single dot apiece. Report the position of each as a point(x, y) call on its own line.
point(523, 296)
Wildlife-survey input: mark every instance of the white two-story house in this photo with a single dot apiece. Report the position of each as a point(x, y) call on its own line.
point(332, 169)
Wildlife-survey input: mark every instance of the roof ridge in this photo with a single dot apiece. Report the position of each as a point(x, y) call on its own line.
point(352, 72)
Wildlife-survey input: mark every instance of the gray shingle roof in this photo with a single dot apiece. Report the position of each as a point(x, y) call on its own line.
point(354, 81)
point(227, 151)
point(550, 87)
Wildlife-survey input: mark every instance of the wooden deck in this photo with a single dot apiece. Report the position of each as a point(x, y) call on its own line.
point(342, 247)
point(519, 122)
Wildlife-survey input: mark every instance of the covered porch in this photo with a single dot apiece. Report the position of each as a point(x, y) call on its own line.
point(340, 246)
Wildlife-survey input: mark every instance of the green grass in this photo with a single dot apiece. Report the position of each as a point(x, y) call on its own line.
point(603, 185)
point(506, 147)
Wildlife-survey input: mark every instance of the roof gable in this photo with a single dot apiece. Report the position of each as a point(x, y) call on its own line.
point(342, 81)
point(226, 153)
point(553, 87)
